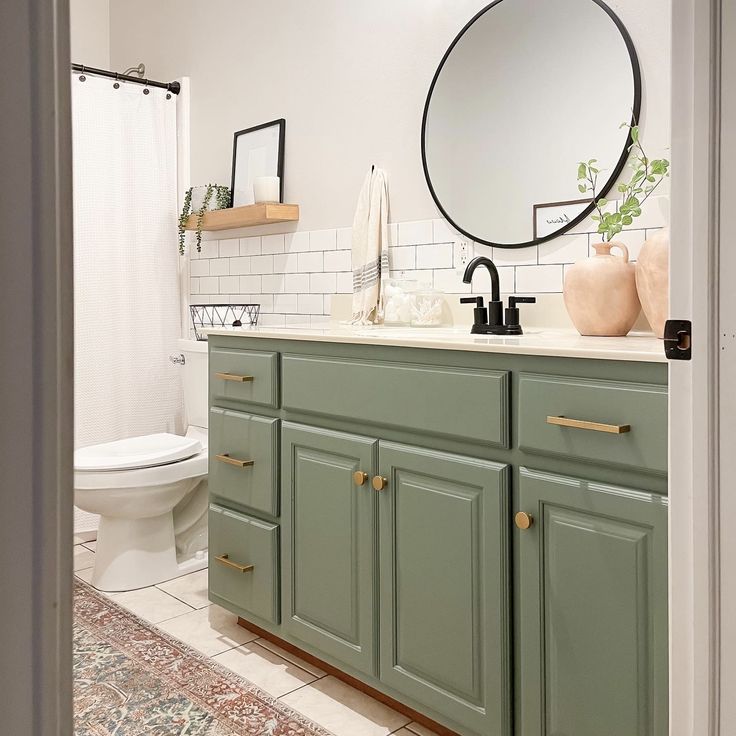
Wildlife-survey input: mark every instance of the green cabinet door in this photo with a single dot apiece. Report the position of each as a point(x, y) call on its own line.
point(444, 585)
point(328, 527)
point(592, 609)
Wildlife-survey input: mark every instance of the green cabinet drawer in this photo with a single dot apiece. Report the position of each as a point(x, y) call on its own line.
point(244, 563)
point(597, 408)
point(244, 376)
point(592, 609)
point(244, 459)
point(445, 609)
point(466, 403)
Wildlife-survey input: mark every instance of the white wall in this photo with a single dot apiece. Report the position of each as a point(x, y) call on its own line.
point(349, 77)
point(90, 32)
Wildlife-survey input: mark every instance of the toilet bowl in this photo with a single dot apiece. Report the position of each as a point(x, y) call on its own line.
point(151, 495)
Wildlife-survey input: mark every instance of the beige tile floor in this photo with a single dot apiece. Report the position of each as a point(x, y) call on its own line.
point(180, 608)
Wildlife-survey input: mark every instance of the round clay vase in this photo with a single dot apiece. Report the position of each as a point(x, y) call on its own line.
point(600, 292)
point(653, 280)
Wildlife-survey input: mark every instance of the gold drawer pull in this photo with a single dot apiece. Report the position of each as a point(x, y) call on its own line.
point(523, 520)
point(359, 477)
point(379, 482)
point(594, 426)
point(225, 560)
point(233, 377)
point(225, 458)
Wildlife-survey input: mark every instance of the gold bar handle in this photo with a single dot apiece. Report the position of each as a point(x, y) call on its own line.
point(225, 458)
point(593, 426)
point(233, 377)
point(225, 560)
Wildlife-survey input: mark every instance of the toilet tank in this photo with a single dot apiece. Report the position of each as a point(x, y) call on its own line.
point(194, 379)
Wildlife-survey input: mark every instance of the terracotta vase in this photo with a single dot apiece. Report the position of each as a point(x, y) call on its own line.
point(600, 292)
point(653, 280)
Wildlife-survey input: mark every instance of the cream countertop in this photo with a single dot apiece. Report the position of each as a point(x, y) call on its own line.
point(553, 342)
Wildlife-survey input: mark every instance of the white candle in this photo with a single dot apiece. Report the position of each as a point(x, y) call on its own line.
point(266, 189)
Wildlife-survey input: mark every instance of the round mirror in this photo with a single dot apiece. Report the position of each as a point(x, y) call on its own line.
point(526, 91)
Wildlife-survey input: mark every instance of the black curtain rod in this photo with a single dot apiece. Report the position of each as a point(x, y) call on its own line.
point(174, 87)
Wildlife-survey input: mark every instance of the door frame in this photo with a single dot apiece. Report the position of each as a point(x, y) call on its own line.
point(36, 369)
point(694, 386)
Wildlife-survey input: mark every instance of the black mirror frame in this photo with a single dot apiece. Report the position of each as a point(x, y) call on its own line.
point(281, 123)
point(636, 109)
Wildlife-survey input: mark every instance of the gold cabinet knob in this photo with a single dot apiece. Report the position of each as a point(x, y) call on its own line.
point(379, 482)
point(523, 520)
point(359, 477)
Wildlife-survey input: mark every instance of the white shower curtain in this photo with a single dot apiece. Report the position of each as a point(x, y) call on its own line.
point(127, 308)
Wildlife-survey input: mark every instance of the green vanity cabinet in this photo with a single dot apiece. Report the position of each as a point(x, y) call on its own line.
point(444, 584)
point(328, 525)
point(592, 609)
point(481, 537)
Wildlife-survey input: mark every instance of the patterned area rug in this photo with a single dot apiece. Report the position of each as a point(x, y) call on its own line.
point(132, 680)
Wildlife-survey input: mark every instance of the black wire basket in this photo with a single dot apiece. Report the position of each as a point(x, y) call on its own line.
point(222, 315)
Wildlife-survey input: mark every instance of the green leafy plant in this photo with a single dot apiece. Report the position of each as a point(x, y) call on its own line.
point(647, 175)
point(222, 201)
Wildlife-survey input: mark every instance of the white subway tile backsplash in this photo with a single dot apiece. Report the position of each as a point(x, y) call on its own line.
point(240, 265)
point(344, 238)
point(323, 240)
point(565, 249)
point(415, 233)
point(288, 263)
point(323, 283)
point(515, 256)
point(209, 285)
point(229, 284)
point(310, 303)
point(309, 262)
point(199, 268)
point(296, 242)
point(294, 276)
point(220, 267)
point(272, 244)
point(442, 232)
point(250, 285)
point(339, 260)
point(285, 303)
point(345, 283)
point(538, 279)
point(261, 264)
point(250, 246)
point(632, 239)
point(297, 283)
point(319, 320)
point(403, 258)
point(435, 256)
point(229, 248)
point(273, 283)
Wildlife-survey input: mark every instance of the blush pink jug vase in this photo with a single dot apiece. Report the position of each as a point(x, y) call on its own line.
point(600, 292)
point(653, 280)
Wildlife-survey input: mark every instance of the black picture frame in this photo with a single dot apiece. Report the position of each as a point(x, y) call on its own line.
point(616, 171)
point(281, 124)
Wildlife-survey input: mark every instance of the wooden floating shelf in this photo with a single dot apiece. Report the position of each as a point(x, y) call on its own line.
point(249, 216)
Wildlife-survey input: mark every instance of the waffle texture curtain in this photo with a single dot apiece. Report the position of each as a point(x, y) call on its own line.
point(127, 304)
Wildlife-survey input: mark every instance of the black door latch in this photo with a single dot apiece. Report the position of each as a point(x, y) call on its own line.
point(678, 337)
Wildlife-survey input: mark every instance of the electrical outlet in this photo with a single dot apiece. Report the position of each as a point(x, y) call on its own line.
point(463, 256)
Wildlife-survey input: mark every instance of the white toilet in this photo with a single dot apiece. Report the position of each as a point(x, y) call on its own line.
point(151, 494)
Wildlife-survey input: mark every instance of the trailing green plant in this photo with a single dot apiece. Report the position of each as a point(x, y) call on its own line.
point(222, 201)
point(647, 175)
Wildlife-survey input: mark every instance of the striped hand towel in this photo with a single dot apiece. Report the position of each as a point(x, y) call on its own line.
point(370, 249)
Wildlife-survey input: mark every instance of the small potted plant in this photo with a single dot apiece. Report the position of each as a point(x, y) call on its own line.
point(600, 292)
point(197, 201)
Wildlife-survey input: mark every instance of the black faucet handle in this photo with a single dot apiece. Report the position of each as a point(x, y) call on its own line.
point(512, 312)
point(477, 300)
point(514, 300)
point(480, 313)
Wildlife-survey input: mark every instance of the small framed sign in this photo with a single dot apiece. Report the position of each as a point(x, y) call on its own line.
point(549, 217)
point(257, 151)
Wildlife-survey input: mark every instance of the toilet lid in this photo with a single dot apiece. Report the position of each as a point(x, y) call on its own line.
point(137, 452)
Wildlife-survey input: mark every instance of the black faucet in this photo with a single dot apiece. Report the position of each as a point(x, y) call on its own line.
point(490, 321)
